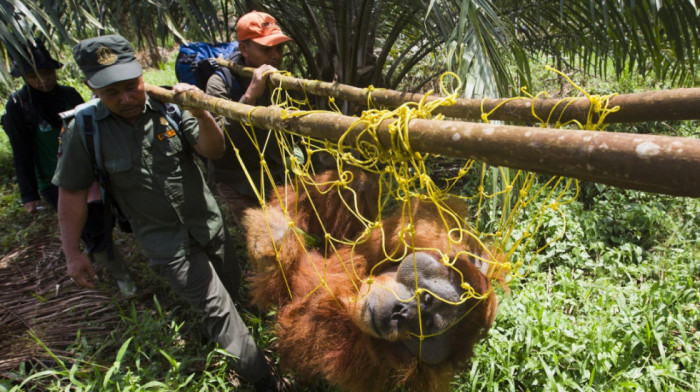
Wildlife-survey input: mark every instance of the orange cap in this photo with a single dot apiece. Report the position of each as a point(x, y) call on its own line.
point(261, 28)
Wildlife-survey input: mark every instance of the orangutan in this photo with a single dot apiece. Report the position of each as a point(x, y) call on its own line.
point(379, 307)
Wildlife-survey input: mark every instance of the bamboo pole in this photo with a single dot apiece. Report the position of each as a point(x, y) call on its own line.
point(653, 163)
point(675, 104)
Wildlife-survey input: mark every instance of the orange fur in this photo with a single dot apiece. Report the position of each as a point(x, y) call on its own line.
point(317, 337)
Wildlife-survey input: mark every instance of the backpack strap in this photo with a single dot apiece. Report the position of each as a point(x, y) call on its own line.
point(85, 120)
point(232, 84)
point(173, 114)
point(84, 115)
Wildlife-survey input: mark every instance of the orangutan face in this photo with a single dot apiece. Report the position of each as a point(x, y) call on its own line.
point(421, 297)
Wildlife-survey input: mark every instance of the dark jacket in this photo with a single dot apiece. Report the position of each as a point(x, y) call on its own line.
point(26, 110)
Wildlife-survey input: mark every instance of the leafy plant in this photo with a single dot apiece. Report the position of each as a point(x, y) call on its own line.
point(489, 43)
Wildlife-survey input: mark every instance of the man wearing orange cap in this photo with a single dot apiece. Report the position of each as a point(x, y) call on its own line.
point(261, 44)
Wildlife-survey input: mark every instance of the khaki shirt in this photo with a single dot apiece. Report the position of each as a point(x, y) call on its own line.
point(153, 176)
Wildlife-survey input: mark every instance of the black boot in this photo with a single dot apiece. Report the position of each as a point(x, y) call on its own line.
point(273, 383)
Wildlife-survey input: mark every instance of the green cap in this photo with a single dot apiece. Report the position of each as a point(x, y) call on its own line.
point(106, 60)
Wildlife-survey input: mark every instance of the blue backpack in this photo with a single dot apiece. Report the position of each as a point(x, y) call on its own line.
point(196, 62)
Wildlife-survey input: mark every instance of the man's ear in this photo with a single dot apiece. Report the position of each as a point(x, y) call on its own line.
point(243, 48)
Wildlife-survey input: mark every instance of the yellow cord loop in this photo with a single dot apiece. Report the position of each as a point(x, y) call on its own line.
point(507, 208)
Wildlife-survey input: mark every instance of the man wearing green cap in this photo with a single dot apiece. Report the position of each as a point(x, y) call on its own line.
point(32, 124)
point(156, 182)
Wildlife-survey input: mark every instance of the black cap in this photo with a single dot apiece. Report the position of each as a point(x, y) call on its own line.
point(106, 60)
point(37, 57)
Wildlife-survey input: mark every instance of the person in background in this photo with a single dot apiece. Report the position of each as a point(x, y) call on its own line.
point(32, 124)
point(154, 177)
point(261, 45)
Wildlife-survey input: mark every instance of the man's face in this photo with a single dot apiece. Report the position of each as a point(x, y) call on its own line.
point(256, 55)
point(126, 99)
point(42, 80)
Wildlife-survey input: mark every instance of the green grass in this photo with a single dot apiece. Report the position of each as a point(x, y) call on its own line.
point(165, 76)
point(613, 306)
point(617, 316)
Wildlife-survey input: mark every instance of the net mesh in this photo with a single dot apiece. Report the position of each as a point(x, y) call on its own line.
point(507, 208)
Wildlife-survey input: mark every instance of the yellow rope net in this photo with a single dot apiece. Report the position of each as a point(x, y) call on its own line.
point(507, 208)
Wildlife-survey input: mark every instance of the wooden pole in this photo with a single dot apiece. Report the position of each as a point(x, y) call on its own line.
point(666, 105)
point(652, 163)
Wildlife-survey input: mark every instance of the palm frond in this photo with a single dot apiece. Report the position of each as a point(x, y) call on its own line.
point(359, 42)
point(41, 309)
point(641, 36)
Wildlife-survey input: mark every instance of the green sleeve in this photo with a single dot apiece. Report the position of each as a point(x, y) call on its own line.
point(189, 128)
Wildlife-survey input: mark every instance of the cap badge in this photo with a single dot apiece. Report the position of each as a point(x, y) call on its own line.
point(105, 56)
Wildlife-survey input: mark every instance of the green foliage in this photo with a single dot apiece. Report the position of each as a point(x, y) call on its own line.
point(490, 43)
point(6, 165)
point(164, 75)
point(611, 306)
point(614, 312)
